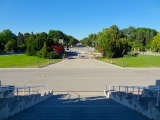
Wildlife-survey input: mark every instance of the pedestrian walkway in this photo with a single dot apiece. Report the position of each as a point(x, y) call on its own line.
point(151, 53)
point(81, 63)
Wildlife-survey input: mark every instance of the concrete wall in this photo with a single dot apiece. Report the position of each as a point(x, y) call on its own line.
point(8, 95)
point(145, 106)
point(149, 93)
point(157, 83)
point(11, 106)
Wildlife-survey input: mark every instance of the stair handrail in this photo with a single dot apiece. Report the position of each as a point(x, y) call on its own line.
point(122, 86)
point(39, 89)
point(139, 88)
point(118, 88)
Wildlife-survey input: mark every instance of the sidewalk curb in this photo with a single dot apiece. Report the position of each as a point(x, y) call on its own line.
point(108, 64)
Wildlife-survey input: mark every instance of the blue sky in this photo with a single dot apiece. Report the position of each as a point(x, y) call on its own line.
point(78, 18)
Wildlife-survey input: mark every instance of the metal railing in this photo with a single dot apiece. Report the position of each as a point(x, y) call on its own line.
point(25, 90)
point(137, 90)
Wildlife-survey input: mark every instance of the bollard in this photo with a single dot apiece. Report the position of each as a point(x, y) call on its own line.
point(0, 82)
point(122, 63)
point(48, 62)
point(111, 61)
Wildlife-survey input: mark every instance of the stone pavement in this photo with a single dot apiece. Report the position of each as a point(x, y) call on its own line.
point(82, 63)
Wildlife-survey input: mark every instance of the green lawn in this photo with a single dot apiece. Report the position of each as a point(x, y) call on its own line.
point(23, 61)
point(139, 61)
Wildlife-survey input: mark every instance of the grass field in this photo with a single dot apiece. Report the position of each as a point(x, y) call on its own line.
point(139, 61)
point(23, 61)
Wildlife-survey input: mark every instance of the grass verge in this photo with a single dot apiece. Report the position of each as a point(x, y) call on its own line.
point(145, 61)
point(23, 61)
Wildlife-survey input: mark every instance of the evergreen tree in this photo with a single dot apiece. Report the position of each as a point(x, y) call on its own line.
point(44, 50)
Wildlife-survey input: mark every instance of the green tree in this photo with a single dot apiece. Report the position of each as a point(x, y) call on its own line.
point(38, 42)
point(5, 36)
point(111, 44)
point(155, 43)
point(8, 35)
point(1, 42)
point(55, 35)
point(129, 33)
point(30, 46)
point(20, 39)
point(72, 41)
point(93, 39)
point(44, 50)
point(144, 37)
point(86, 41)
point(10, 45)
point(25, 36)
point(44, 37)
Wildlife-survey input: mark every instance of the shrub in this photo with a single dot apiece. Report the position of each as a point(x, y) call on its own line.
point(39, 54)
point(53, 55)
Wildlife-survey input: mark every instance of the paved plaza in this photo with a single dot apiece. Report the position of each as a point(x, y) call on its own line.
point(79, 75)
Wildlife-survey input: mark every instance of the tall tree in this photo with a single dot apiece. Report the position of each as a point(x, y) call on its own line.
point(5, 36)
point(144, 36)
point(72, 41)
point(38, 42)
point(2, 43)
point(129, 33)
point(155, 43)
point(93, 39)
point(30, 46)
point(55, 35)
point(110, 42)
point(10, 45)
point(44, 50)
point(26, 35)
point(20, 39)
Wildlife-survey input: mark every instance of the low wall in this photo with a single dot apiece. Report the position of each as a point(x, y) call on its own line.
point(145, 105)
point(7, 94)
point(149, 93)
point(11, 106)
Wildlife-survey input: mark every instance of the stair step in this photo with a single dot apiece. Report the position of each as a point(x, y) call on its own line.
point(78, 107)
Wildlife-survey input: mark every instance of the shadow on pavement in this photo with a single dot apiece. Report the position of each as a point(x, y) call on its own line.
point(77, 107)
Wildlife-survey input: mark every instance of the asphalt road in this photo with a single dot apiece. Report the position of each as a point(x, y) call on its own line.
point(79, 75)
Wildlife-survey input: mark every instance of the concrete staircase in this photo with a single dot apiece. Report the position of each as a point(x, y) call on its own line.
point(78, 106)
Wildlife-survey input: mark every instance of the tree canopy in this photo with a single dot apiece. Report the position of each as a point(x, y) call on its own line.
point(113, 42)
point(32, 43)
point(155, 43)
